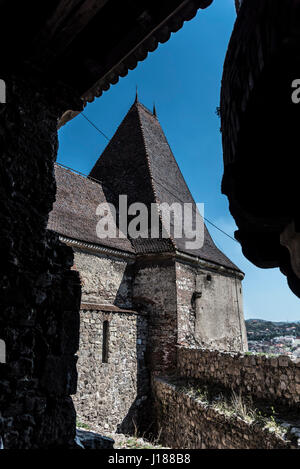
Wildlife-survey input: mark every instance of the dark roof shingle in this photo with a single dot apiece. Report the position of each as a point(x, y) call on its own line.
point(74, 211)
point(138, 161)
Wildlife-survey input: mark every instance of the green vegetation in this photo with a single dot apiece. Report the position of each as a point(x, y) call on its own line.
point(122, 441)
point(234, 405)
point(139, 443)
point(82, 425)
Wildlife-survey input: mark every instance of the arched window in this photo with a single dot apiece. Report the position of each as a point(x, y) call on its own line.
point(2, 92)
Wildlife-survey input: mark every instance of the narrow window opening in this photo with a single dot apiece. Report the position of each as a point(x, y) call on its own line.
point(105, 339)
point(208, 277)
point(2, 351)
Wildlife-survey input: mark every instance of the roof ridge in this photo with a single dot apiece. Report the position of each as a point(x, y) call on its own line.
point(138, 103)
point(76, 173)
point(111, 140)
point(152, 178)
point(139, 161)
point(155, 180)
point(74, 210)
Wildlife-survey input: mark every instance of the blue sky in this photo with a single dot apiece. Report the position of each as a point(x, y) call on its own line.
point(183, 78)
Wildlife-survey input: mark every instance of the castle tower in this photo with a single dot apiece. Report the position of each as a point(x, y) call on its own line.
point(141, 295)
point(203, 304)
point(139, 162)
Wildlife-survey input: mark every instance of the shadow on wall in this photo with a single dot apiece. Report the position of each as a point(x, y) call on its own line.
point(138, 418)
point(113, 384)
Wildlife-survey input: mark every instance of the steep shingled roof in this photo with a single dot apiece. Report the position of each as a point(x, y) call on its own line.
point(74, 211)
point(138, 162)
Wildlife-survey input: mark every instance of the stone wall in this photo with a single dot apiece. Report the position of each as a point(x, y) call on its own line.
point(40, 295)
point(186, 423)
point(210, 309)
point(104, 279)
point(154, 291)
point(111, 395)
point(273, 379)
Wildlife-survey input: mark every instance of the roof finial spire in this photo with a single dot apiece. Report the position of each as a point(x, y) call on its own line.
point(154, 110)
point(136, 94)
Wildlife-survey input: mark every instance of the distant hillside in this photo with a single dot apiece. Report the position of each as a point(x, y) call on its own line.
point(258, 329)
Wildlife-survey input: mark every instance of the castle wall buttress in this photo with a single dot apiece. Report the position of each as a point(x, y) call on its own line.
point(104, 279)
point(210, 309)
point(113, 381)
point(154, 290)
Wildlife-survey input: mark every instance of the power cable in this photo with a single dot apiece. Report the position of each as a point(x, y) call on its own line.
point(97, 180)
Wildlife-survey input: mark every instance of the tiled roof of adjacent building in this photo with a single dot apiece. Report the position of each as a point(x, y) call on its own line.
point(74, 211)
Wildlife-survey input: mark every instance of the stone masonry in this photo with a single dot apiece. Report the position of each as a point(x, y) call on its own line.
point(141, 296)
point(154, 291)
point(270, 378)
point(185, 423)
point(104, 279)
point(112, 395)
point(40, 295)
point(210, 308)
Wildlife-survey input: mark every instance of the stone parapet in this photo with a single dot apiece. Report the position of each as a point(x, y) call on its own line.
point(271, 378)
